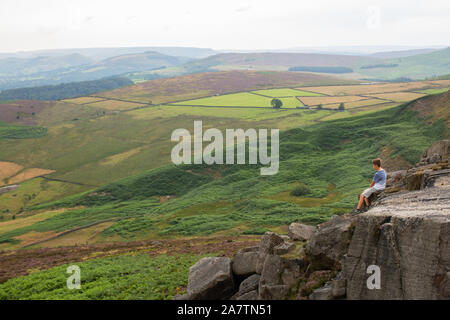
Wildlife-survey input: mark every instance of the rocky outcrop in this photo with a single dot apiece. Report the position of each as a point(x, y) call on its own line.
point(407, 237)
point(261, 272)
point(402, 243)
point(405, 234)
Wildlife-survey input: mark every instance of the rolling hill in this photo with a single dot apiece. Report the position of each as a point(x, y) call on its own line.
point(329, 160)
point(417, 66)
point(414, 64)
point(151, 225)
point(55, 70)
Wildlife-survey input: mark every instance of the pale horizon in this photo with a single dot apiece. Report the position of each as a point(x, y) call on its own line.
point(234, 25)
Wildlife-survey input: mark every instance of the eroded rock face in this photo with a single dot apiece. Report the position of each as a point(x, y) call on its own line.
point(210, 279)
point(329, 243)
point(407, 236)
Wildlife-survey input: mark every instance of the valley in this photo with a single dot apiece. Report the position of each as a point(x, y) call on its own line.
point(100, 172)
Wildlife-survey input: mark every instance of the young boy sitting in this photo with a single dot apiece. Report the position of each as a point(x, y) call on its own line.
point(378, 184)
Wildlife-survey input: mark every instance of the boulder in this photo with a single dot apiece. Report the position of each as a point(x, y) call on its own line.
point(210, 279)
point(329, 243)
point(247, 286)
point(244, 263)
point(271, 273)
point(284, 248)
point(298, 231)
point(268, 242)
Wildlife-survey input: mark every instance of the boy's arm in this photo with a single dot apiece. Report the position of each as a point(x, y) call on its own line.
point(372, 184)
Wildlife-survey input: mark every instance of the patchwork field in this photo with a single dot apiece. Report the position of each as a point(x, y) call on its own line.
point(243, 99)
point(113, 137)
point(25, 175)
point(365, 89)
point(197, 85)
point(398, 96)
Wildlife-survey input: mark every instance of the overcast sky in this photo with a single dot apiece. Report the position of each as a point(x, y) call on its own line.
point(225, 24)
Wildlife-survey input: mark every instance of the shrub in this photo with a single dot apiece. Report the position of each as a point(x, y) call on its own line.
point(300, 191)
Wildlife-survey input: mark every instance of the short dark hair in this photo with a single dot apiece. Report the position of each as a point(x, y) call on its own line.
point(377, 162)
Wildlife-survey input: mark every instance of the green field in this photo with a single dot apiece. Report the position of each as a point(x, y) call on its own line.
point(435, 91)
point(286, 92)
point(126, 277)
point(231, 100)
point(9, 131)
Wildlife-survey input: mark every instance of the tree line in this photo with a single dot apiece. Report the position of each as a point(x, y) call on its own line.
point(65, 90)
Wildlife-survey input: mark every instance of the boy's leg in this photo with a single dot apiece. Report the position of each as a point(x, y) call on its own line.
point(361, 200)
point(367, 201)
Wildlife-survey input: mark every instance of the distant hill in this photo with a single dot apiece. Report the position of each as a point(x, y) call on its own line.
point(64, 90)
point(418, 66)
point(10, 67)
point(408, 64)
point(285, 59)
point(400, 54)
point(276, 61)
point(17, 73)
point(98, 54)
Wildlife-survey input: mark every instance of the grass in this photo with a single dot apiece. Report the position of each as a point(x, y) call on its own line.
point(434, 91)
point(235, 100)
point(15, 131)
point(126, 277)
point(218, 198)
point(34, 192)
point(286, 92)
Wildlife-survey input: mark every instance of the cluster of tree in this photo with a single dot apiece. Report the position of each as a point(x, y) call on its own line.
point(322, 69)
point(340, 108)
point(65, 90)
point(373, 66)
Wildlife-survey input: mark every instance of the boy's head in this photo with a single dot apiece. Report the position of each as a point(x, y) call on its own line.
point(376, 163)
